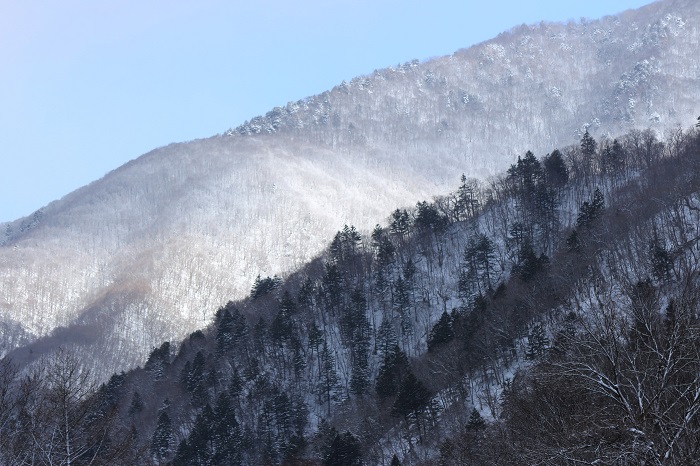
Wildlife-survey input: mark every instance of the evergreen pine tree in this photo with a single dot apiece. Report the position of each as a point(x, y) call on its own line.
point(386, 337)
point(592, 210)
point(287, 304)
point(264, 286)
point(485, 259)
point(412, 396)
point(240, 328)
point(281, 327)
point(343, 450)
point(200, 440)
point(597, 204)
point(402, 304)
point(588, 145)
point(260, 333)
point(226, 432)
point(391, 372)
point(306, 292)
point(195, 380)
point(359, 380)
point(400, 223)
point(236, 384)
point(441, 332)
point(528, 264)
point(476, 422)
point(162, 437)
point(182, 454)
point(224, 332)
point(328, 377)
point(428, 218)
point(158, 361)
point(332, 286)
point(555, 170)
point(282, 411)
point(136, 405)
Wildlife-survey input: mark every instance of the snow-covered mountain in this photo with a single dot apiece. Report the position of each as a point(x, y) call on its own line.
point(147, 252)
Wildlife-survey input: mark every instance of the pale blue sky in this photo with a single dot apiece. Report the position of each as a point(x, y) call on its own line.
point(87, 85)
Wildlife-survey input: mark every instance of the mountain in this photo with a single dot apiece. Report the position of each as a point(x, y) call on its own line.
point(146, 253)
point(549, 318)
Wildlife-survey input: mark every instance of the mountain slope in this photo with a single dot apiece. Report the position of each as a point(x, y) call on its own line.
point(146, 252)
point(459, 336)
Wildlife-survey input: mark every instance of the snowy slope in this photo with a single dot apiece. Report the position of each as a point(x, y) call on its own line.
point(146, 253)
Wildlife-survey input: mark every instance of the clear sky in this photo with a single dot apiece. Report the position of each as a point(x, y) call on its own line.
point(86, 85)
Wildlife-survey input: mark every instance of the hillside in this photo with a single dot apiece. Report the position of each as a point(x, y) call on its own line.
point(150, 250)
point(549, 317)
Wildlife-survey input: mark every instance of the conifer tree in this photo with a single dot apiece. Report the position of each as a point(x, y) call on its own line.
point(342, 450)
point(441, 332)
point(281, 327)
point(592, 210)
point(158, 361)
point(391, 372)
point(359, 380)
point(136, 405)
point(198, 448)
point(412, 397)
point(236, 384)
point(588, 144)
point(264, 286)
point(162, 437)
point(383, 247)
point(182, 454)
point(476, 422)
point(282, 411)
point(224, 332)
point(402, 304)
point(428, 218)
point(555, 170)
point(400, 223)
point(193, 377)
point(226, 432)
point(328, 377)
point(332, 285)
point(315, 337)
point(386, 337)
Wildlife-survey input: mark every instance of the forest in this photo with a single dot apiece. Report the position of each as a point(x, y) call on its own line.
point(150, 251)
point(548, 316)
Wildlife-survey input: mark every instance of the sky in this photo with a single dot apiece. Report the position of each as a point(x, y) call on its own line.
point(87, 85)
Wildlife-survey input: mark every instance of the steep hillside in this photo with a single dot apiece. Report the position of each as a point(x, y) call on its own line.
point(147, 252)
point(551, 317)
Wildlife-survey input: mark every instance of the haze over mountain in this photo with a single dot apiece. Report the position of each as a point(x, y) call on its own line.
point(146, 253)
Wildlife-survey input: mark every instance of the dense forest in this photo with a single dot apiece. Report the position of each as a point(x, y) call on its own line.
point(548, 316)
point(150, 251)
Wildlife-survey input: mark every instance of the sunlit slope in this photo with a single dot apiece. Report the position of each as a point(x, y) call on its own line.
point(146, 253)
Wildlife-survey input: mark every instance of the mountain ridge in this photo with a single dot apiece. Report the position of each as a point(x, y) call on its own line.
point(157, 243)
